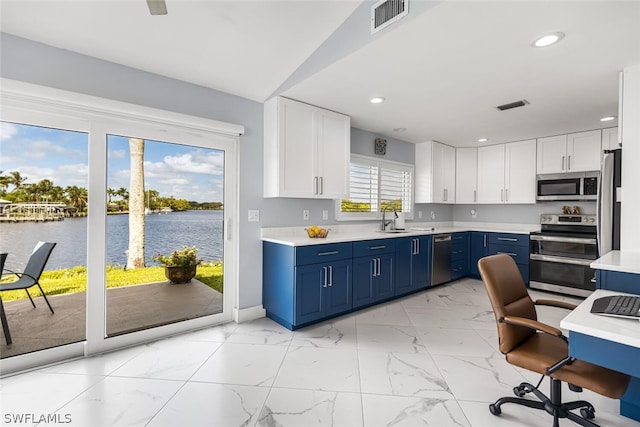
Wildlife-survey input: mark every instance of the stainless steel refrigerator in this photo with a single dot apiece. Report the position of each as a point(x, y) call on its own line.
point(609, 202)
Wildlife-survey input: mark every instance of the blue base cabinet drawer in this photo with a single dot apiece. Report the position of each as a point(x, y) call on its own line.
point(515, 245)
point(509, 239)
point(459, 255)
point(314, 254)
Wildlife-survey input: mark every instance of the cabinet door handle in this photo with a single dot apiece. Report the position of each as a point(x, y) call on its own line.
point(417, 246)
point(328, 253)
point(475, 196)
point(506, 194)
point(379, 264)
point(315, 185)
point(562, 162)
point(330, 275)
point(324, 284)
point(485, 240)
point(321, 185)
point(373, 248)
point(374, 265)
point(507, 239)
point(502, 194)
point(569, 163)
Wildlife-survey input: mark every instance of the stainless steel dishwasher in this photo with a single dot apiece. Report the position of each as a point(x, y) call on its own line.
point(441, 261)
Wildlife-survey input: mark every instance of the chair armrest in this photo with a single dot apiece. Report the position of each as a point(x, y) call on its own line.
point(532, 324)
point(554, 303)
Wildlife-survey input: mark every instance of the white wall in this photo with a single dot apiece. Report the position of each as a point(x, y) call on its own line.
point(630, 212)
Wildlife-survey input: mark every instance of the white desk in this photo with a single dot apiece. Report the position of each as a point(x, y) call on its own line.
point(610, 342)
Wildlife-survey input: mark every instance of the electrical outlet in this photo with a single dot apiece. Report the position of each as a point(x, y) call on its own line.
point(305, 215)
point(254, 215)
point(433, 215)
point(325, 215)
point(474, 213)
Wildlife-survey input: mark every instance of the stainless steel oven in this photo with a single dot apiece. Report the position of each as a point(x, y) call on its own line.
point(561, 253)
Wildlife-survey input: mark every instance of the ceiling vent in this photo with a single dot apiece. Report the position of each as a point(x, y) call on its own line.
point(511, 105)
point(386, 12)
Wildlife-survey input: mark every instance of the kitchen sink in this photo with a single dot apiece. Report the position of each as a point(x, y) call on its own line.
point(393, 231)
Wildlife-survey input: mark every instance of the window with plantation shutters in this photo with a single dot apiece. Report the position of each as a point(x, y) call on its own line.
point(374, 184)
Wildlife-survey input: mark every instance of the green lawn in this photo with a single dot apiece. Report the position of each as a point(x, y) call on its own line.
point(63, 281)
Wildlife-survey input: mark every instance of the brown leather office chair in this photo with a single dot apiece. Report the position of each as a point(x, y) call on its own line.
point(540, 348)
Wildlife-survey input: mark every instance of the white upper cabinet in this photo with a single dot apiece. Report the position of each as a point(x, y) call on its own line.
point(507, 173)
point(520, 172)
point(435, 173)
point(306, 151)
point(610, 140)
point(491, 174)
point(575, 152)
point(466, 175)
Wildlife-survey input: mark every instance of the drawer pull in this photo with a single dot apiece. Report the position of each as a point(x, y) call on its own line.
point(507, 239)
point(373, 248)
point(328, 253)
point(508, 253)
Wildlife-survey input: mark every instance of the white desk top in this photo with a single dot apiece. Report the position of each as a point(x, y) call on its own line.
point(623, 331)
point(623, 261)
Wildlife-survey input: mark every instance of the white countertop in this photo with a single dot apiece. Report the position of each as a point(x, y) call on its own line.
point(622, 261)
point(297, 236)
point(623, 331)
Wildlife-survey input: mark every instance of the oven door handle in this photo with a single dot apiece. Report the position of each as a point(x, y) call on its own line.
point(561, 260)
point(563, 239)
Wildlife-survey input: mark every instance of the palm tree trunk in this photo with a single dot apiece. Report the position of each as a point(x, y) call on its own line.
point(135, 256)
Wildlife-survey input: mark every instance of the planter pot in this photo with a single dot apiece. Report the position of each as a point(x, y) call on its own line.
point(180, 274)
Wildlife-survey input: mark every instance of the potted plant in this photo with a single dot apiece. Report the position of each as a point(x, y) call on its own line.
point(180, 266)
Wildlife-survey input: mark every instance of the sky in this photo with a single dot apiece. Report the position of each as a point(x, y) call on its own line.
point(181, 171)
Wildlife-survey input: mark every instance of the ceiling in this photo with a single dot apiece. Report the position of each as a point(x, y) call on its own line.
point(442, 69)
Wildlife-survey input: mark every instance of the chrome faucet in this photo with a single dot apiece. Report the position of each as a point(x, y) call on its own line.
point(383, 226)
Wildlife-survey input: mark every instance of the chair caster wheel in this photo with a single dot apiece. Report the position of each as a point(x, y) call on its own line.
point(588, 413)
point(495, 410)
point(519, 391)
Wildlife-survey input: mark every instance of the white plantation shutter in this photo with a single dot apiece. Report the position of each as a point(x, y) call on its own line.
point(395, 187)
point(372, 185)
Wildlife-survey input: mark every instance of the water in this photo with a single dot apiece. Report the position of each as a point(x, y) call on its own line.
point(163, 233)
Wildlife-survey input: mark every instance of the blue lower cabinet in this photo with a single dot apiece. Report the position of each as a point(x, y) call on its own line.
point(302, 285)
point(413, 264)
point(618, 281)
point(322, 290)
point(478, 248)
point(373, 271)
point(459, 255)
point(514, 245)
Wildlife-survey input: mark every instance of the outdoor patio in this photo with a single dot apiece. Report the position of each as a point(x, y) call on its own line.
point(129, 309)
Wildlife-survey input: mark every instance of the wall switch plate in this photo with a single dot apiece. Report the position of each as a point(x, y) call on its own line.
point(254, 215)
point(305, 215)
point(433, 215)
point(325, 215)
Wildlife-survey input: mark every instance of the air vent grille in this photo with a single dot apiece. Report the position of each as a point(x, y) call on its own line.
point(386, 12)
point(511, 105)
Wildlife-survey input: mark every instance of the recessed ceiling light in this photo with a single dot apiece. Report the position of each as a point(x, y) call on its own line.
point(376, 100)
point(608, 118)
point(482, 140)
point(548, 39)
point(399, 129)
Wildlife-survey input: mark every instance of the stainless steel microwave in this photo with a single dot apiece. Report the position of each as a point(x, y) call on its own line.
point(568, 186)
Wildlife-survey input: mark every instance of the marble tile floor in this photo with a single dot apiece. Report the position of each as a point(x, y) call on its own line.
point(429, 359)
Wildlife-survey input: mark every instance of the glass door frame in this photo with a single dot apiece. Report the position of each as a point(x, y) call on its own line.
point(43, 106)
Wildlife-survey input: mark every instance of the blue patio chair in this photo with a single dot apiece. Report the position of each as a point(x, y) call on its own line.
point(31, 275)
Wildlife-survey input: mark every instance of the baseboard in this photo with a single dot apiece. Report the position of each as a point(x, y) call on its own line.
point(250, 313)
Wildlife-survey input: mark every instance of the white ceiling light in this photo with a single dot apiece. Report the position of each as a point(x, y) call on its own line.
point(548, 39)
point(607, 119)
point(482, 140)
point(377, 100)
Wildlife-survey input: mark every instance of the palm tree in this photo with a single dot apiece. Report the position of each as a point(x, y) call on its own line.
point(5, 180)
point(110, 193)
point(16, 179)
point(123, 193)
point(135, 257)
point(77, 196)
